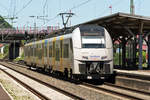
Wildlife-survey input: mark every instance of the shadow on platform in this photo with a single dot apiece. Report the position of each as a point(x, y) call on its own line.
point(129, 67)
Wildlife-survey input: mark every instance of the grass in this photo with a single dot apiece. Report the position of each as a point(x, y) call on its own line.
point(20, 57)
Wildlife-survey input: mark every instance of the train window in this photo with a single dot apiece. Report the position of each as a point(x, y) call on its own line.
point(25, 49)
point(40, 51)
point(93, 42)
point(66, 51)
point(45, 51)
point(35, 47)
point(50, 51)
point(53, 49)
point(92, 30)
point(57, 58)
point(71, 46)
point(45, 48)
point(32, 50)
point(37, 51)
point(61, 44)
point(93, 36)
point(29, 51)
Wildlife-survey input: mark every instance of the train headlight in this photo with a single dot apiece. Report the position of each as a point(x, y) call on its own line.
point(103, 57)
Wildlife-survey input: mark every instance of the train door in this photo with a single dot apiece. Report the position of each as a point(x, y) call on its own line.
point(71, 53)
point(42, 52)
point(45, 52)
point(50, 53)
point(31, 59)
point(39, 54)
point(66, 53)
point(57, 55)
point(48, 58)
point(53, 53)
point(30, 51)
point(61, 55)
point(26, 54)
point(34, 53)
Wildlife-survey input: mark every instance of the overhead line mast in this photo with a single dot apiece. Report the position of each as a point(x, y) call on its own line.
point(132, 7)
point(68, 15)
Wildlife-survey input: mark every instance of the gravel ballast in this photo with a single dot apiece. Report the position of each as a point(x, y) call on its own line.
point(76, 89)
point(15, 90)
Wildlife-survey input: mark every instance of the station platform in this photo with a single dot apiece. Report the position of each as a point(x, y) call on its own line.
point(3, 94)
point(136, 79)
point(134, 72)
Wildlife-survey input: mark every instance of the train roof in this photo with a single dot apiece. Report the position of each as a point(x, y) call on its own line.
point(65, 36)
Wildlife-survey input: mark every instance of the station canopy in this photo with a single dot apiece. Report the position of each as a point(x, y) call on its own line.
point(119, 24)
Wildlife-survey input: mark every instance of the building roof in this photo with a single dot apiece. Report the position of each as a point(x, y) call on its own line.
point(117, 22)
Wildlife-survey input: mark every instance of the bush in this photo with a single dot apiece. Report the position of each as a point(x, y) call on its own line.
point(6, 49)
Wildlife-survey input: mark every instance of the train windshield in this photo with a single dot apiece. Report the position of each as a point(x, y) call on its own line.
point(93, 37)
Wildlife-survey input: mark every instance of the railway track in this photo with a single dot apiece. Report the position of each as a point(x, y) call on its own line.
point(116, 90)
point(42, 97)
point(127, 88)
point(124, 92)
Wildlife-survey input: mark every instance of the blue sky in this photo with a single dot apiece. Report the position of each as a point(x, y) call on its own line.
point(88, 11)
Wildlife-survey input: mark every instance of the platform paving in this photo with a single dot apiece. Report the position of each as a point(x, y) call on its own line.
point(3, 94)
point(135, 72)
point(136, 79)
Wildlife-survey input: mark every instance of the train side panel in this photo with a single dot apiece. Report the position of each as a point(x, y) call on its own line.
point(28, 54)
point(61, 52)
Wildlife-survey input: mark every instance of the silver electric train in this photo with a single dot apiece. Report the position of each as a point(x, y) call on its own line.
point(84, 53)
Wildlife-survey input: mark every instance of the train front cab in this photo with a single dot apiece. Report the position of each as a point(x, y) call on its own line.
point(93, 53)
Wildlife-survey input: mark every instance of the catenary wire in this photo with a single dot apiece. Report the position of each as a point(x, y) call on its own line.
point(23, 7)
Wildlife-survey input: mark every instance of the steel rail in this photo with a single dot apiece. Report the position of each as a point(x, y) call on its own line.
point(127, 88)
point(111, 91)
point(107, 90)
point(38, 94)
point(44, 83)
